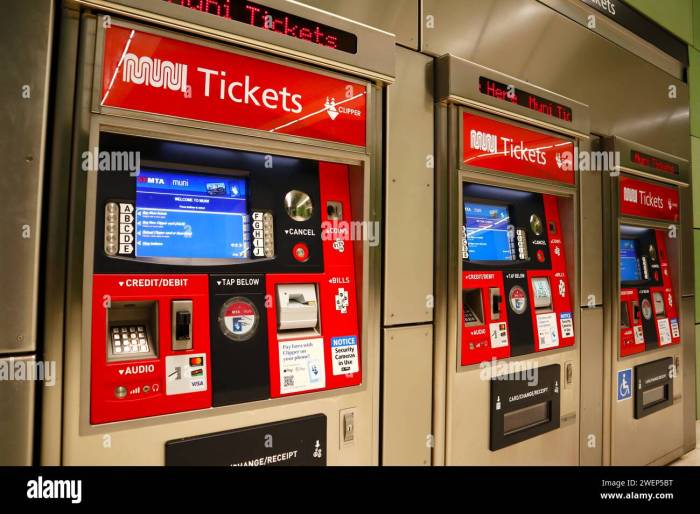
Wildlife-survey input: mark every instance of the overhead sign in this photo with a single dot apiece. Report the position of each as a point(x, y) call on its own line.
point(647, 200)
point(150, 73)
point(275, 20)
point(642, 26)
point(499, 146)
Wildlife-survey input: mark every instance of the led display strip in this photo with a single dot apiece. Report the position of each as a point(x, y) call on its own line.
point(530, 101)
point(649, 161)
point(275, 20)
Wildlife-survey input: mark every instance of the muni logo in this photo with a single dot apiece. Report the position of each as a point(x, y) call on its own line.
point(154, 73)
point(630, 195)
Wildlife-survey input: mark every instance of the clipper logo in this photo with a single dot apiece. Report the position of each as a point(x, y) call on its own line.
point(154, 73)
point(333, 109)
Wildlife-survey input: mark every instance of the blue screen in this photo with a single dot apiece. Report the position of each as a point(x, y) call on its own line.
point(188, 215)
point(487, 232)
point(629, 261)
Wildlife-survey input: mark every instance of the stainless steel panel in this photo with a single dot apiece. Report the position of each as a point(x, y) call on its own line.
point(57, 230)
point(407, 395)
point(628, 96)
point(400, 17)
point(375, 48)
point(591, 201)
point(591, 344)
point(653, 439)
point(25, 60)
point(688, 344)
point(409, 193)
point(458, 79)
point(17, 419)
point(687, 267)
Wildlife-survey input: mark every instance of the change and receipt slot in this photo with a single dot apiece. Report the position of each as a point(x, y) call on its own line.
point(646, 237)
point(223, 285)
point(509, 259)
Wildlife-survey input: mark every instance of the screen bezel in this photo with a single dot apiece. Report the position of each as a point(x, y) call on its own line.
point(487, 201)
point(169, 171)
point(192, 261)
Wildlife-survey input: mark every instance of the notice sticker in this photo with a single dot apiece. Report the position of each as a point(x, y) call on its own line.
point(302, 367)
point(664, 331)
point(638, 335)
point(674, 328)
point(566, 322)
point(499, 335)
point(547, 331)
point(344, 355)
point(185, 374)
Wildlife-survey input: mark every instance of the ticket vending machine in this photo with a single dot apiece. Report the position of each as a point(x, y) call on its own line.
point(221, 285)
point(508, 378)
point(645, 238)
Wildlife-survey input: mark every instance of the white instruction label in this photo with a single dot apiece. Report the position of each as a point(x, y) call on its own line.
point(185, 373)
point(302, 367)
point(664, 331)
point(499, 335)
point(547, 331)
point(638, 334)
point(344, 355)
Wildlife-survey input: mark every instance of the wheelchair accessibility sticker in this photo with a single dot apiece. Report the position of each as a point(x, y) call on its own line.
point(624, 384)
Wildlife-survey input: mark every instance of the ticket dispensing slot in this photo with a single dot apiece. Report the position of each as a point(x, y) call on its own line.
point(298, 310)
point(654, 387)
point(473, 307)
point(523, 408)
point(132, 330)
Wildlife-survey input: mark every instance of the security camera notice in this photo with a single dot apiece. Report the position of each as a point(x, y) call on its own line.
point(637, 489)
point(344, 355)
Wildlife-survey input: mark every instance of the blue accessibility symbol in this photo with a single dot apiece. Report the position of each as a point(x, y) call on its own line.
point(624, 384)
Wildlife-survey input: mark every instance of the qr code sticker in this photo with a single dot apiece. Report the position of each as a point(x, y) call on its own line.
point(289, 381)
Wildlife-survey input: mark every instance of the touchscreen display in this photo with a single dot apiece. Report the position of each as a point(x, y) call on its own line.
point(191, 215)
point(488, 234)
point(630, 269)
